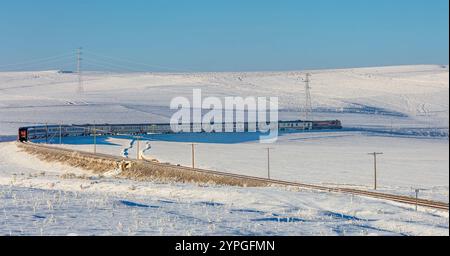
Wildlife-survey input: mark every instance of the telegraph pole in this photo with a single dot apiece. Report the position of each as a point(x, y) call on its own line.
point(60, 134)
point(375, 154)
point(46, 133)
point(268, 162)
point(417, 197)
point(95, 139)
point(80, 80)
point(193, 155)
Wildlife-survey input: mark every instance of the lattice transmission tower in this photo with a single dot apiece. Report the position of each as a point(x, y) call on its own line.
point(80, 77)
point(308, 111)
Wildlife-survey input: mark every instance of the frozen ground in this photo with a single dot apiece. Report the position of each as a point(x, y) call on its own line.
point(330, 158)
point(38, 198)
point(398, 98)
point(401, 111)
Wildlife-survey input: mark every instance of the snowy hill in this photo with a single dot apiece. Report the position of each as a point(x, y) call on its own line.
point(402, 111)
point(396, 106)
point(401, 96)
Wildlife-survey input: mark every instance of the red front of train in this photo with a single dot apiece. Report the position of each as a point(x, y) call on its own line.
point(23, 135)
point(332, 124)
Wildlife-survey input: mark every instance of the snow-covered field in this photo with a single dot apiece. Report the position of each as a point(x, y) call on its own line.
point(401, 111)
point(395, 97)
point(40, 198)
point(316, 158)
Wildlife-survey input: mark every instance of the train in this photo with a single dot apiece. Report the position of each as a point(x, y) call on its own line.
point(56, 131)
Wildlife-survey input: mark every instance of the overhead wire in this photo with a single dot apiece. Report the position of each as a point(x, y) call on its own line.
point(106, 65)
point(91, 59)
point(38, 61)
point(137, 62)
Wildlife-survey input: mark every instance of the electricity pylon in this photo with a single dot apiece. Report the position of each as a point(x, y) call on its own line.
point(80, 79)
point(308, 105)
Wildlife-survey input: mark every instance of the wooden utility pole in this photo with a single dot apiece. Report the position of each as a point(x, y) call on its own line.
point(375, 167)
point(46, 133)
point(95, 139)
point(60, 134)
point(268, 162)
point(417, 197)
point(137, 148)
point(193, 155)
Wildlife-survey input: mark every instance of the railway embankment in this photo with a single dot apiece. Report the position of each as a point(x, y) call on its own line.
point(140, 170)
point(152, 171)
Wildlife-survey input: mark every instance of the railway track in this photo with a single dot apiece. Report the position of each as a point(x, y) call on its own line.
point(371, 194)
point(377, 195)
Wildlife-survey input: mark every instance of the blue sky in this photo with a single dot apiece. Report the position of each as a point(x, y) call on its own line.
point(227, 35)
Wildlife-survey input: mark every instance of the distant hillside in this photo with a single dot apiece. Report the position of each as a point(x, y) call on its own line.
point(414, 96)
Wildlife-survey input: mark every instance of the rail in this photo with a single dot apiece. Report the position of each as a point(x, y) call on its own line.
point(377, 195)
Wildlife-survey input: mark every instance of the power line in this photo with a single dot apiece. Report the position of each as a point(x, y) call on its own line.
point(92, 59)
point(138, 63)
point(39, 60)
point(44, 65)
point(103, 64)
